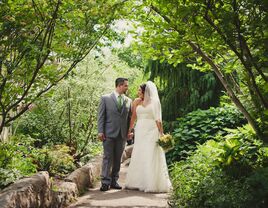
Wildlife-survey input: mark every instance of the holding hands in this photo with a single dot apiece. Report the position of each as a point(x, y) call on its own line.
point(130, 135)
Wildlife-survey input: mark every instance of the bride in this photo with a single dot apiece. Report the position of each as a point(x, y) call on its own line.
point(148, 169)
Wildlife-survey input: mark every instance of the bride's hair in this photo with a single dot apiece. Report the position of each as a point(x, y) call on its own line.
point(143, 86)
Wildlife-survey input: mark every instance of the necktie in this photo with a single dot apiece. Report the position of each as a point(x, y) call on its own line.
point(120, 102)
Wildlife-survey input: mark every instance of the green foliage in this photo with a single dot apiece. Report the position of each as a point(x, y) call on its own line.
point(136, 76)
point(38, 124)
point(15, 161)
point(19, 158)
point(93, 149)
point(113, 67)
point(8, 176)
point(202, 187)
point(199, 126)
point(56, 160)
point(73, 107)
point(229, 38)
point(207, 179)
point(242, 152)
point(258, 181)
point(133, 60)
point(41, 42)
point(183, 89)
point(135, 84)
point(68, 114)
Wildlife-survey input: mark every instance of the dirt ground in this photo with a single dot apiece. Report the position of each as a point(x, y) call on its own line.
point(120, 198)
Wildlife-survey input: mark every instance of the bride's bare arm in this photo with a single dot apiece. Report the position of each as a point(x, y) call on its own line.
point(134, 115)
point(160, 127)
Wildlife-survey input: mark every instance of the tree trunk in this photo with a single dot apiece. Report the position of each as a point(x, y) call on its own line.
point(216, 69)
point(69, 115)
point(244, 56)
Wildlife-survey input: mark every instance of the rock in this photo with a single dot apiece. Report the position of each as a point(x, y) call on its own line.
point(32, 191)
point(85, 176)
point(38, 192)
point(63, 193)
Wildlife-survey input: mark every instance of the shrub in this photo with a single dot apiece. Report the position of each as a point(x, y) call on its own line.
point(199, 126)
point(67, 114)
point(8, 176)
point(19, 158)
point(55, 159)
point(258, 182)
point(242, 152)
point(229, 173)
point(15, 162)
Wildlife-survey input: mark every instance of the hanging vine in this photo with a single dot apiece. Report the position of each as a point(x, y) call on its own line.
point(183, 90)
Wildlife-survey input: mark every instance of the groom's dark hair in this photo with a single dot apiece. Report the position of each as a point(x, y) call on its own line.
point(120, 81)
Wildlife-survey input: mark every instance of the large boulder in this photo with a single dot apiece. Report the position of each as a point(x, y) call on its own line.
point(38, 191)
point(85, 176)
point(63, 193)
point(29, 192)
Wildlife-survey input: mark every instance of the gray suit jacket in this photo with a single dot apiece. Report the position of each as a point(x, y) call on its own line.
point(111, 121)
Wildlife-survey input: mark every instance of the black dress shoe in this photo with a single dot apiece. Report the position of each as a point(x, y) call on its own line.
point(116, 186)
point(104, 187)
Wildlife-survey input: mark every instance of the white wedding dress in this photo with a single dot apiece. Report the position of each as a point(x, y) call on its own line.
point(148, 169)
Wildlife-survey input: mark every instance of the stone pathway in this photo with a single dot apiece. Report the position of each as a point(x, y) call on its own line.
point(120, 198)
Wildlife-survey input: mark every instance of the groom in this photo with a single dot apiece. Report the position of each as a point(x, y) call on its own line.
point(113, 121)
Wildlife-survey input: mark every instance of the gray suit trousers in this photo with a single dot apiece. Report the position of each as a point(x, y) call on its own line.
point(112, 152)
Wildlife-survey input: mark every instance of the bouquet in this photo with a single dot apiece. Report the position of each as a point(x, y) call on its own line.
point(166, 141)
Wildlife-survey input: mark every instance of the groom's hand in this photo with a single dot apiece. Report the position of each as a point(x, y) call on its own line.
point(101, 136)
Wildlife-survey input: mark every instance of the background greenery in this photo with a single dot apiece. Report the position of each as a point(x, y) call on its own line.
point(208, 59)
point(231, 172)
point(199, 126)
point(58, 133)
point(183, 89)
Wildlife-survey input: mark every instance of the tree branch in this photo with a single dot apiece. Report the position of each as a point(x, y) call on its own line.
point(228, 89)
point(217, 71)
point(247, 62)
point(37, 10)
point(73, 65)
point(40, 60)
